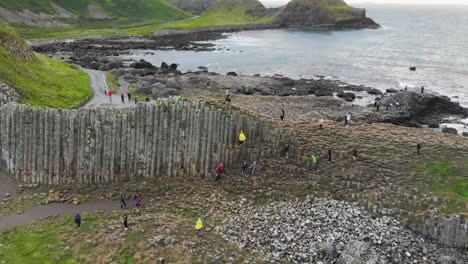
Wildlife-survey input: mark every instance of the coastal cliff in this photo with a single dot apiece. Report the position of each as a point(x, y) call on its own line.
point(323, 13)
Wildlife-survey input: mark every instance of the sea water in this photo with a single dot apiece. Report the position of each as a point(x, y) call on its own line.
point(432, 38)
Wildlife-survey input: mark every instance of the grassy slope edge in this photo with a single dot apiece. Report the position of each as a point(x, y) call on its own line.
point(41, 81)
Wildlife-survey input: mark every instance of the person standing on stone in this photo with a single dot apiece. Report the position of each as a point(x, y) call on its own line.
point(199, 225)
point(136, 100)
point(244, 168)
point(254, 166)
point(418, 148)
point(378, 106)
point(422, 89)
point(105, 92)
point(228, 99)
point(221, 168)
point(354, 154)
point(78, 220)
point(282, 114)
point(348, 118)
point(110, 96)
point(242, 137)
point(313, 160)
point(329, 155)
point(286, 150)
point(123, 98)
point(125, 222)
point(129, 95)
point(321, 123)
point(122, 202)
point(138, 202)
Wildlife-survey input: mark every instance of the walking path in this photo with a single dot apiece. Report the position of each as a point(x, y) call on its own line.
point(100, 99)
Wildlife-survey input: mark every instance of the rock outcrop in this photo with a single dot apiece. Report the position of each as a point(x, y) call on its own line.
point(319, 13)
point(196, 7)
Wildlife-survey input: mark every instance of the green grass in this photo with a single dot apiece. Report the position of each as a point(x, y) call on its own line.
point(447, 177)
point(112, 82)
point(40, 80)
point(122, 13)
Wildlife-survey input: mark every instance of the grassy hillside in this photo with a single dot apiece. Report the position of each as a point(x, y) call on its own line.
point(40, 81)
point(224, 13)
point(113, 14)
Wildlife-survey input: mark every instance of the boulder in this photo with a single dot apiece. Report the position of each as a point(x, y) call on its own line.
point(164, 66)
point(231, 74)
point(465, 134)
point(202, 68)
point(450, 130)
point(391, 90)
point(433, 125)
point(142, 64)
point(95, 65)
point(323, 92)
point(349, 96)
point(412, 68)
point(173, 66)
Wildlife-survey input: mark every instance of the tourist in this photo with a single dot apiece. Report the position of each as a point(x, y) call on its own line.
point(221, 168)
point(110, 96)
point(228, 99)
point(418, 148)
point(253, 166)
point(105, 92)
point(147, 99)
point(406, 87)
point(422, 89)
point(397, 104)
point(244, 168)
point(348, 119)
point(321, 122)
point(354, 153)
point(339, 106)
point(378, 106)
point(286, 150)
point(138, 202)
point(125, 222)
point(123, 98)
point(78, 220)
point(329, 155)
point(242, 137)
point(282, 114)
point(122, 202)
point(313, 163)
point(217, 176)
point(129, 97)
point(199, 225)
point(136, 100)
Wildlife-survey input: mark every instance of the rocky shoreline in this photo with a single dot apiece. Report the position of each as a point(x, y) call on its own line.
point(319, 94)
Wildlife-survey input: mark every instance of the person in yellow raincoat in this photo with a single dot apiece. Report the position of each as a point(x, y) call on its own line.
point(199, 225)
point(242, 137)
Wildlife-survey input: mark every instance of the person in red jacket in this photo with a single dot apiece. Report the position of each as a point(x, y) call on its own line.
point(110, 96)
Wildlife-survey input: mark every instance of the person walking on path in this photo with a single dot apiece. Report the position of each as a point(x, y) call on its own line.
point(313, 163)
point(329, 155)
point(418, 148)
point(110, 96)
point(254, 166)
point(125, 222)
point(138, 202)
point(105, 92)
point(354, 153)
point(221, 168)
point(78, 220)
point(129, 95)
point(282, 114)
point(244, 168)
point(123, 98)
point(242, 137)
point(122, 202)
point(286, 150)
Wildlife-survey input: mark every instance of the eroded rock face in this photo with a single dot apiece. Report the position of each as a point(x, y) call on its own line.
point(196, 7)
point(316, 229)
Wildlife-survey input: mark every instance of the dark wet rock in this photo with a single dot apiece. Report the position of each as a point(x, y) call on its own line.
point(433, 125)
point(95, 65)
point(450, 130)
point(391, 90)
point(349, 96)
point(412, 68)
point(142, 64)
point(231, 74)
point(323, 92)
point(173, 66)
point(465, 134)
point(202, 68)
point(164, 66)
